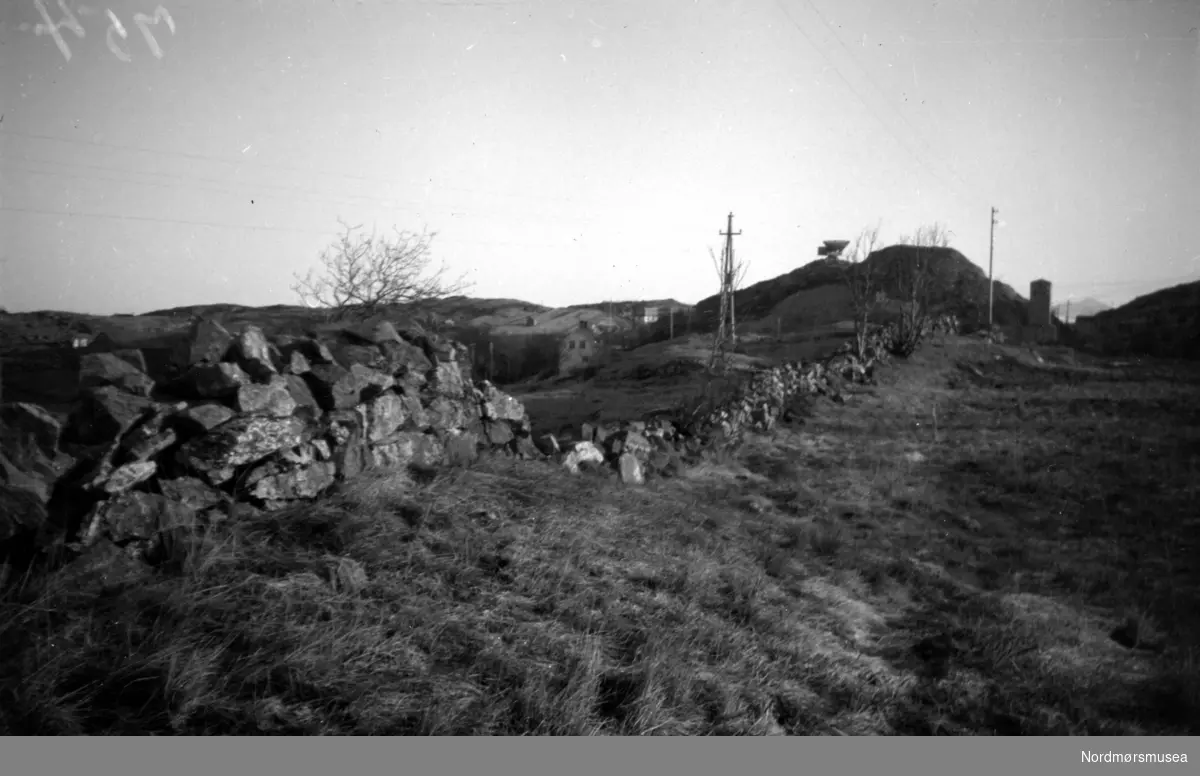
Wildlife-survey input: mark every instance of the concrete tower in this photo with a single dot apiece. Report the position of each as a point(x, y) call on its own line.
point(1039, 303)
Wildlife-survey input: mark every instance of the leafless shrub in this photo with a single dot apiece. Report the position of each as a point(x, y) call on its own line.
point(912, 276)
point(864, 281)
point(360, 274)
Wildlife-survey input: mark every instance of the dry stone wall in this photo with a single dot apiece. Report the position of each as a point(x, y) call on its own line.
point(266, 422)
point(630, 448)
point(246, 418)
point(762, 398)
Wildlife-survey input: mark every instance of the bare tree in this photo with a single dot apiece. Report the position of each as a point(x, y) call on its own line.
point(865, 283)
point(912, 274)
point(361, 274)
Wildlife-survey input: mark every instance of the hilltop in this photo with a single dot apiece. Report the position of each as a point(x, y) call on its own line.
point(1165, 323)
point(815, 295)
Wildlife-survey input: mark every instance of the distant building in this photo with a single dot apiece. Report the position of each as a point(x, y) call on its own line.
point(644, 314)
point(580, 348)
point(652, 313)
point(1039, 303)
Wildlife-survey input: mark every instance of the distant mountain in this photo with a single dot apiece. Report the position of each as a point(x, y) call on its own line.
point(815, 293)
point(1077, 307)
point(1165, 323)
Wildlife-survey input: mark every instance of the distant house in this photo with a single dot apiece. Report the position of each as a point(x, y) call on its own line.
point(644, 313)
point(579, 349)
point(80, 340)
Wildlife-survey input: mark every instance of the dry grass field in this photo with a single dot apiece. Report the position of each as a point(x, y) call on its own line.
point(986, 542)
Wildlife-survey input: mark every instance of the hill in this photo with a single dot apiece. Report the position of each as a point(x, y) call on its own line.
point(815, 294)
point(1165, 323)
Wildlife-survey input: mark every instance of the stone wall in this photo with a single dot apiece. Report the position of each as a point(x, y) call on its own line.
point(245, 419)
point(759, 401)
point(265, 423)
point(762, 398)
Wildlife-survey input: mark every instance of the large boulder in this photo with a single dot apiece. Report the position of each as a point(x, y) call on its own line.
point(407, 448)
point(350, 458)
point(134, 515)
point(337, 388)
point(212, 381)
point(105, 414)
point(99, 369)
point(29, 438)
point(631, 442)
point(206, 342)
point(582, 453)
point(630, 469)
point(128, 476)
point(370, 356)
point(275, 482)
point(299, 391)
point(134, 357)
point(447, 380)
point(38, 484)
point(406, 361)
point(200, 419)
point(144, 448)
point(273, 398)
point(240, 441)
point(254, 354)
point(152, 435)
point(497, 434)
point(499, 405)
point(296, 364)
point(372, 332)
point(22, 513)
point(419, 419)
point(382, 416)
point(313, 351)
point(444, 413)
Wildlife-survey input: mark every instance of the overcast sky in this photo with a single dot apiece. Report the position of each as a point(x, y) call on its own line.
point(570, 152)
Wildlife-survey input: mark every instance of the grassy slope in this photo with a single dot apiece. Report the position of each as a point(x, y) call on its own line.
point(818, 582)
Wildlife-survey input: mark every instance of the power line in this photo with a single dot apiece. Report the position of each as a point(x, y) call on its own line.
point(86, 214)
point(301, 196)
point(292, 193)
point(886, 101)
point(915, 155)
point(250, 227)
point(270, 165)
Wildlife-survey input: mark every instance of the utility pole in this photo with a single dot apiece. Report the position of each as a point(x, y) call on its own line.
point(728, 279)
point(672, 332)
point(1068, 320)
point(991, 251)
